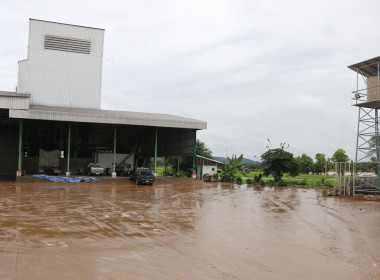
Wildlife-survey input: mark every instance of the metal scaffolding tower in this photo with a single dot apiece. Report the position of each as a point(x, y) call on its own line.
point(367, 99)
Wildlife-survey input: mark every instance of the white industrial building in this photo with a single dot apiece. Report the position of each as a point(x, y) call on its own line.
point(64, 65)
point(56, 106)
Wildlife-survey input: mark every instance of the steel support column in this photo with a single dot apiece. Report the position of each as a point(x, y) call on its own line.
point(377, 146)
point(20, 136)
point(194, 151)
point(178, 164)
point(155, 153)
point(68, 151)
point(114, 152)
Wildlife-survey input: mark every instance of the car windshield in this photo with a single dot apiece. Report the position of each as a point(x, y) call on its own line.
point(94, 165)
point(145, 172)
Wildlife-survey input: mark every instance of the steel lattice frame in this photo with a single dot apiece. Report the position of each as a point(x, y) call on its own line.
point(367, 158)
point(366, 170)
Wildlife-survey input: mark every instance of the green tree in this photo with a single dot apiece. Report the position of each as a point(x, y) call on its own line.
point(320, 163)
point(202, 150)
point(340, 156)
point(330, 164)
point(305, 164)
point(276, 162)
point(173, 163)
point(229, 171)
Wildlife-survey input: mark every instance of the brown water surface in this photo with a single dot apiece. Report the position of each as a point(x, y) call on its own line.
point(184, 229)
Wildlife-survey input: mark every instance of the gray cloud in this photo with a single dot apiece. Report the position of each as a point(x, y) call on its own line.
point(252, 69)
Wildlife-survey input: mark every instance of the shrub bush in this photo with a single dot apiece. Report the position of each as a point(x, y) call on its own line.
point(239, 181)
point(257, 178)
point(303, 182)
point(282, 183)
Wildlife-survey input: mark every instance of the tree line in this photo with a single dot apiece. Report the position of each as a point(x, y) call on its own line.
point(275, 162)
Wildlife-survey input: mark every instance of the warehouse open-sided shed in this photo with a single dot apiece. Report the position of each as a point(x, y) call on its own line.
point(56, 107)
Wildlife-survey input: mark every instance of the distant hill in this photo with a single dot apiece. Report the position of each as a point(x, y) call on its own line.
point(245, 160)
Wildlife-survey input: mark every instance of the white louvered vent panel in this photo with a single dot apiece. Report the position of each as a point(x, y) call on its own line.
point(67, 44)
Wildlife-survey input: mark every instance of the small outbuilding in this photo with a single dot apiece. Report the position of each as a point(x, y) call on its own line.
point(207, 168)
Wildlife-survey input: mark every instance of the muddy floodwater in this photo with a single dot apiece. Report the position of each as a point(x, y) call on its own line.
point(184, 229)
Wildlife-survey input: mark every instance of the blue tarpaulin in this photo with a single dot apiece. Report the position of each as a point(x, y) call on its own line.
point(66, 179)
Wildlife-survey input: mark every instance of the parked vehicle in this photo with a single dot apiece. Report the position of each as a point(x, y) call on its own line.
point(49, 162)
point(142, 176)
point(95, 169)
point(123, 169)
point(49, 170)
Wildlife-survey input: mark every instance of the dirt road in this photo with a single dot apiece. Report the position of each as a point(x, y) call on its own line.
point(184, 229)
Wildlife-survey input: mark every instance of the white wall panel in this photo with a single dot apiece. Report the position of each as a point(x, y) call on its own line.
point(62, 78)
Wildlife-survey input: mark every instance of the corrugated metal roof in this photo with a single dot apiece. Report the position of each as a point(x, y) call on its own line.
point(210, 159)
point(367, 68)
point(106, 116)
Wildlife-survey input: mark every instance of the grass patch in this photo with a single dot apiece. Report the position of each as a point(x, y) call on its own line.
point(313, 183)
point(160, 170)
point(252, 174)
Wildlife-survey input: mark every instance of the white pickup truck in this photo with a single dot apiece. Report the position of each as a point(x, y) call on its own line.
point(95, 169)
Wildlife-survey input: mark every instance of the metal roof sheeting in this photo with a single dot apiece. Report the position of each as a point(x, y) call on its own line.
point(106, 116)
point(367, 68)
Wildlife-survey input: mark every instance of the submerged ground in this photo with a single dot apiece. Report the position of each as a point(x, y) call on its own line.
point(184, 229)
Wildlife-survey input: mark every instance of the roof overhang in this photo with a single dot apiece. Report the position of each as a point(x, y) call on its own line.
point(367, 68)
point(201, 160)
point(13, 100)
point(51, 113)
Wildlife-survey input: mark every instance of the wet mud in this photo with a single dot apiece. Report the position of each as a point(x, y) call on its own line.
point(184, 229)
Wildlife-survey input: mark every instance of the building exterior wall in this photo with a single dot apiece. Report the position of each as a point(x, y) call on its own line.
point(206, 169)
point(58, 77)
point(106, 159)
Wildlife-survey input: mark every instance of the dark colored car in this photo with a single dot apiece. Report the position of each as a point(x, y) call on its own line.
point(142, 176)
point(123, 169)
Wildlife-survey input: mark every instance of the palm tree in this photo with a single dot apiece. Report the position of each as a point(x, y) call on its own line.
point(231, 168)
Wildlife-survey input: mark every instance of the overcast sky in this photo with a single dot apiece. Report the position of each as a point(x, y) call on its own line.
point(254, 70)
